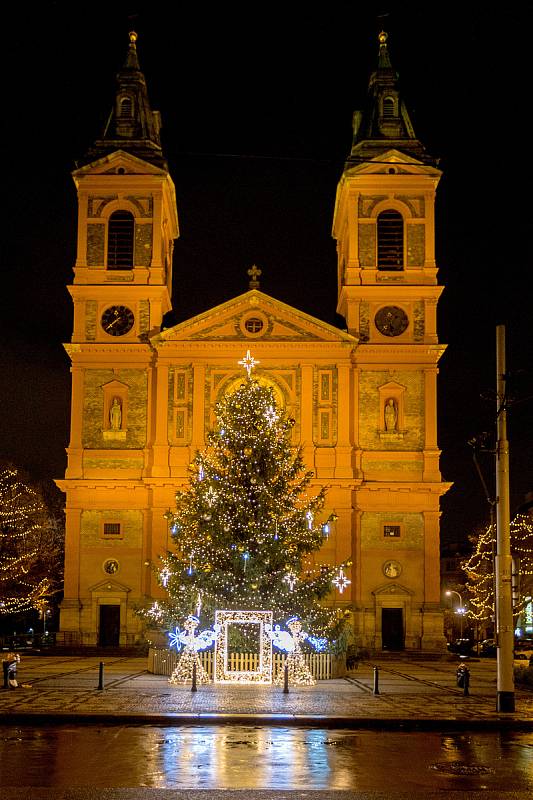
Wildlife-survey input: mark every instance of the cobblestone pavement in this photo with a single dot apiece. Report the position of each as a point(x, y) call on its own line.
point(409, 691)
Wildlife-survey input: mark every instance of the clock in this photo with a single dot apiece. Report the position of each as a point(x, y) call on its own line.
point(117, 320)
point(391, 320)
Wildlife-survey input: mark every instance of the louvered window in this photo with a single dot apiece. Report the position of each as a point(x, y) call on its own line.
point(120, 240)
point(126, 107)
point(390, 240)
point(388, 107)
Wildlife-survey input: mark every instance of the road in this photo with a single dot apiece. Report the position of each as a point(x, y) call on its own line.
point(264, 758)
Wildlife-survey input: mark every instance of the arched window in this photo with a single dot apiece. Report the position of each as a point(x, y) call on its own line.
point(120, 238)
point(126, 107)
point(388, 106)
point(390, 240)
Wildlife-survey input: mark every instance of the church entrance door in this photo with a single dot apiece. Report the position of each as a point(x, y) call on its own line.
point(392, 637)
point(109, 631)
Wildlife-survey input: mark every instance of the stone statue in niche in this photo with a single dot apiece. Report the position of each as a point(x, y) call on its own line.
point(115, 415)
point(391, 416)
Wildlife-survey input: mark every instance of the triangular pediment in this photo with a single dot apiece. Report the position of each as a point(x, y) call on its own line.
point(109, 585)
point(253, 316)
point(119, 162)
point(402, 163)
point(392, 588)
point(114, 385)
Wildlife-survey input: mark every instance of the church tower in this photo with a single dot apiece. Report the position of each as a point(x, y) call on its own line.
point(127, 223)
point(387, 292)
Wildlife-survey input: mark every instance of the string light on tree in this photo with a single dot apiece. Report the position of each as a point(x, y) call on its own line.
point(249, 517)
point(479, 568)
point(28, 548)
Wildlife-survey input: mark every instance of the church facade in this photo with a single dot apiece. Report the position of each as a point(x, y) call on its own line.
point(363, 400)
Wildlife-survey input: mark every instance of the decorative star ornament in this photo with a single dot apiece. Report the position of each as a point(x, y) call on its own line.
point(341, 581)
point(248, 362)
point(165, 575)
point(211, 496)
point(271, 415)
point(290, 579)
point(155, 611)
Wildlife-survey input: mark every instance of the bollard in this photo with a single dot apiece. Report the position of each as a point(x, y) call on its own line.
point(376, 681)
point(466, 684)
point(286, 679)
point(101, 675)
point(463, 679)
point(193, 686)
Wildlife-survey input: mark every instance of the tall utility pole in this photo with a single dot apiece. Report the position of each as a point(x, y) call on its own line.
point(504, 607)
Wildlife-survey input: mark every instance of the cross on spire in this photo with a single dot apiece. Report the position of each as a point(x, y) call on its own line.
point(254, 274)
point(248, 362)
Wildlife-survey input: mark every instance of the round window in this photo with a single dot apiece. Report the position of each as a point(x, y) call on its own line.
point(254, 325)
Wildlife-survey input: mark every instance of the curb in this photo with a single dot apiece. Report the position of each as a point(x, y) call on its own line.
point(284, 720)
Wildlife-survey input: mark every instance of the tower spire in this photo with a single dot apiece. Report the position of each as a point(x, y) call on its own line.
point(132, 124)
point(384, 123)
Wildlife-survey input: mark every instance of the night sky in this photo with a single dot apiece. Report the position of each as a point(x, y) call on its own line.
point(257, 102)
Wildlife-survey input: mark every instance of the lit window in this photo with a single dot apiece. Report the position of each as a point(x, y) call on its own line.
point(390, 240)
point(120, 240)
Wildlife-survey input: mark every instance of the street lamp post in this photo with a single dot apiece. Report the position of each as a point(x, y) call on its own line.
point(460, 609)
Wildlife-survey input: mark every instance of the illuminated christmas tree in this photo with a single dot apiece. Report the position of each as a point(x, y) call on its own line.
point(245, 527)
point(479, 568)
point(26, 582)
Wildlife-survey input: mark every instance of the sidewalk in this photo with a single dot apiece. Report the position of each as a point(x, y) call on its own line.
point(412, 695)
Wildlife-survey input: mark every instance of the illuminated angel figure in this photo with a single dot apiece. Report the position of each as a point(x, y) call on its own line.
point(191, 644)
point(290, 641)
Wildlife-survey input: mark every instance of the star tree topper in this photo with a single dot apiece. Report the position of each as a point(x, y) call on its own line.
point(248, 362)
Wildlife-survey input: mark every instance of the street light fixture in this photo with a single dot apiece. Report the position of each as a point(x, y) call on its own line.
point(461, 610)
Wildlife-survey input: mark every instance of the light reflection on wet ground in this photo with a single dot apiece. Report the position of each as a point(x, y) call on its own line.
point(262, 758)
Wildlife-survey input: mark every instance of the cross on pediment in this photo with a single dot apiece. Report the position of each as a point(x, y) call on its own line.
point(254, 274)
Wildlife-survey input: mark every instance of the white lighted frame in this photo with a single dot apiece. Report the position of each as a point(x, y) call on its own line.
point(263, 673)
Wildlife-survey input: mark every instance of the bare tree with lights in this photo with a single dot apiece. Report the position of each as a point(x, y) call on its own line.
point(479, 568)
point(247, 522)
point(31, 548)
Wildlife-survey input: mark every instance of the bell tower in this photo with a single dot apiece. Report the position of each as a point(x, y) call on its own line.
point(387, 292)
point(127, 224)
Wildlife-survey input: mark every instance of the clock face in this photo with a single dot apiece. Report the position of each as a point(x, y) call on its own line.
point(117, 320)
point(391, 320)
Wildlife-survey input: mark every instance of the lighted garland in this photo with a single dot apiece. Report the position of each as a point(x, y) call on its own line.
point(479, 567)
point(247, 523)
point(22, 518)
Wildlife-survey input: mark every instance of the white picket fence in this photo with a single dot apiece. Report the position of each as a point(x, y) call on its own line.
point(321, 665)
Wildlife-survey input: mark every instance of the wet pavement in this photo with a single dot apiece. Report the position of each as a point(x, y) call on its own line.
point(138, 738)
point(256, 758)
point(411, 693)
